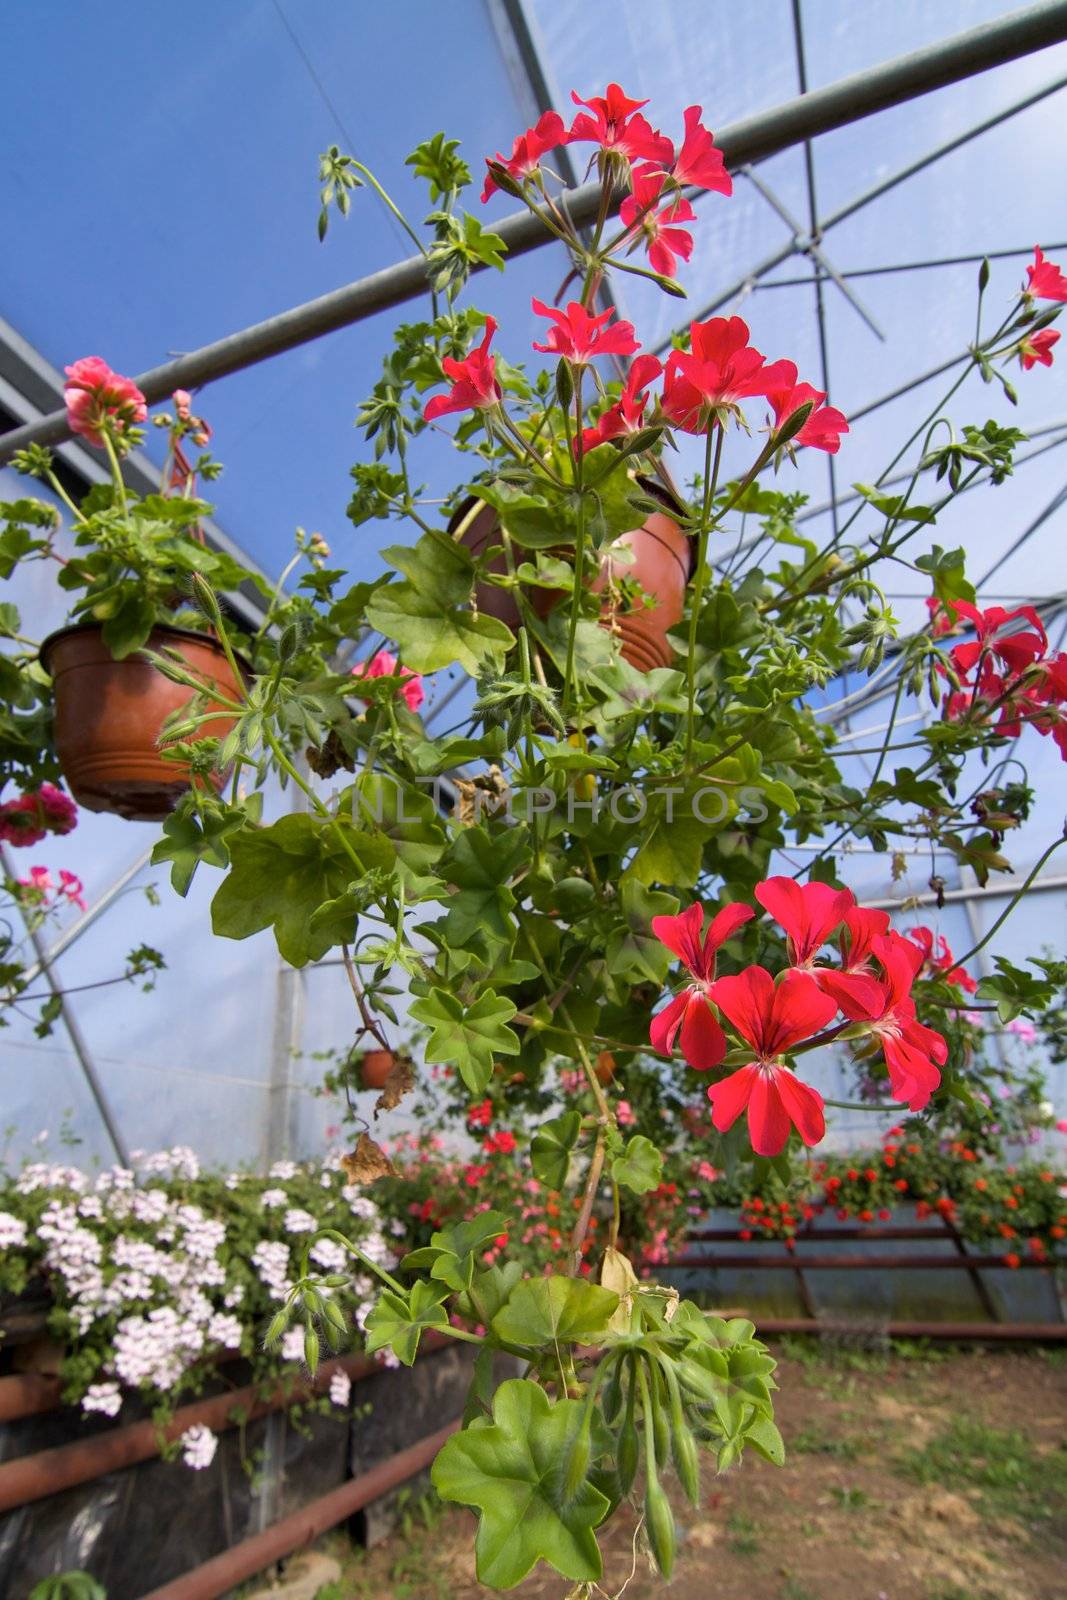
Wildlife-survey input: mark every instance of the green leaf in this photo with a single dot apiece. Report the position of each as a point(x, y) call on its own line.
point(764, 1437)
point(895, 507)
point(551, 1148)
point(468, 1037)
point(544, 1311)
point(191, 836)
point(431, 636)
point(510, 1469)
point(639, 1167)
point(946, 569)
point(632, 951)
point(398, 1321)
point(453, 1252)
point(279, 877)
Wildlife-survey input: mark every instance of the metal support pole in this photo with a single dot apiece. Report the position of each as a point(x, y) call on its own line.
point(783, 253)
point(753, 139)
point(74, 1033)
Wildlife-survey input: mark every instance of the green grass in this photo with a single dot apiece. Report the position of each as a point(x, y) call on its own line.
point(742, 1534)
point(1012, 1477)
point(850, 1498)
point(815, 1441)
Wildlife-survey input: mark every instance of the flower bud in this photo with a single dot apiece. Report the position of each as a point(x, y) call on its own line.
point(659, 1521)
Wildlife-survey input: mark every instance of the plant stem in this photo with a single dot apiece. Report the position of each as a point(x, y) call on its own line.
point(711, 474)
point(579, 547)
point(1014, 901)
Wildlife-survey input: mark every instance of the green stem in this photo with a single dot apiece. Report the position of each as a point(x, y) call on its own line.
point(116, 470)
point(711, 474)
point(579, 548)
point(1014, 901)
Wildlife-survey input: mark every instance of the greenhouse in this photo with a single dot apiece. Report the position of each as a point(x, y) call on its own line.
point(533, 821)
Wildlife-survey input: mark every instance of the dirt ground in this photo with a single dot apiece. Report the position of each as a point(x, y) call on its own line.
point(912, 1474)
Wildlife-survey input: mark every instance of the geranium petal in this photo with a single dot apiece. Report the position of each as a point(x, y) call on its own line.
point(746, 999)
point(703, 1041)
point(730, 1097)
point(804, 1106)
point(768, 1120)
point(665, 1024)
point(681, 935)
point(798, 1009)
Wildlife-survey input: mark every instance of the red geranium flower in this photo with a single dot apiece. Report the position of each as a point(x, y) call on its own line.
point(1017, 650)
point(547, 133)
point(1037, 347)
point(1045, 281)
point(944, 962)
point(914, 1053)
point(98, 399)
point(703, 1041)
point(824, 426)
point(664, 240)
point(501, 1143)
point(809, 913)
point(720, 370)
point(474, 385)
point(627, 415)
point(699, 162)
point(616, 125)
point(772, 1019)
point(579, 337)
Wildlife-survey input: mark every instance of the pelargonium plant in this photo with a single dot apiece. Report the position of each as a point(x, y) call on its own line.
point(523, 882)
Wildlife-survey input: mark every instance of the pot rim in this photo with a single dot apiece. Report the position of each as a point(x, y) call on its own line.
point(52, 639)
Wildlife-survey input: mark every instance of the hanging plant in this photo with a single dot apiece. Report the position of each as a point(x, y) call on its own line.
point(604, 807)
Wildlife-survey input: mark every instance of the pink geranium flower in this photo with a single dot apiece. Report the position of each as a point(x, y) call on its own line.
point(720, 370)
point(772, 1018)
point(1045, 281)
point(383, 664)
point(474, 385)
point(702, 1039)
point(26, 820)
point(98, 399)
point(579, 336)
point(546, 134)
point(72, 887)
point(614, 122)
point(39, 880)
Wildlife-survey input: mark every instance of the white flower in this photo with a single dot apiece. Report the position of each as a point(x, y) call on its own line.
point(274, 1197)
point(198, 1447)
point(293, 1344)
point(299, 1221)
point(340, 1388)
point(225, 1330)
point(1047, 1110)
point(12, 1231)
point(271, 1261)
point(284, 1170)
point(103, 1397)
point(329, 1255)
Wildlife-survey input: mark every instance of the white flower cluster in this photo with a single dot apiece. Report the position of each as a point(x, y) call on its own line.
point(156, 1282)
point(198, 1446)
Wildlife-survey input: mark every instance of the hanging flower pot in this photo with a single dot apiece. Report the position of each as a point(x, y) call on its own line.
point(375, 1068)
point(661, 566)
point(109, 717)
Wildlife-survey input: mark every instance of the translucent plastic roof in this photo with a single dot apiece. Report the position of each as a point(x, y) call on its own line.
point(160, 184)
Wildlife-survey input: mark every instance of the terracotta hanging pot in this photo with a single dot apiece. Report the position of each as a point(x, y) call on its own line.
point(109, 715)
point(375, 1068)
point(661, 565)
